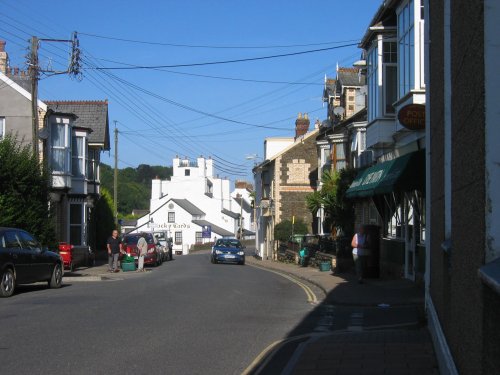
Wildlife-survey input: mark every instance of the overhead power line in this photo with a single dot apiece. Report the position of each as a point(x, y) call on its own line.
point(213, 46)
point(134, 67)
point(218, 77)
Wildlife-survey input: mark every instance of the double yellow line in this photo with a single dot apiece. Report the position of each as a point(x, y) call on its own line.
point(311, 297)
point(268, 353)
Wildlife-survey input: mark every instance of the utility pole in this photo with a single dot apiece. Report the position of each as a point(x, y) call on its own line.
point(115, 182)
point(74, 69)
point(241, 218)
point(33, 67)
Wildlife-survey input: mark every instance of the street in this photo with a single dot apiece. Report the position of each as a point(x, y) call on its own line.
point(186, 317)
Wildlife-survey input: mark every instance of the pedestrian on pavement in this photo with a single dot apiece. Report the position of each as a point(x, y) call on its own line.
point(142, 247)
point(360, 251)
point(114, 246)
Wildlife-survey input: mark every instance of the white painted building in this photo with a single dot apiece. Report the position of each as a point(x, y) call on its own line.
point(192, 200)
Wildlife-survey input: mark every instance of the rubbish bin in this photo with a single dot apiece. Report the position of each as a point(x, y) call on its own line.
point(325, 266)
point(128, 263)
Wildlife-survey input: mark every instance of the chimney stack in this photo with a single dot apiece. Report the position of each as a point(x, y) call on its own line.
point(301, 125)
point(4, 58)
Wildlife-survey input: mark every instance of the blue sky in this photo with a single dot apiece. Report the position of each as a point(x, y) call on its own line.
point(217, 110)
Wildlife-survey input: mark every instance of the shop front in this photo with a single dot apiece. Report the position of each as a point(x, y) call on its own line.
point(395, 189)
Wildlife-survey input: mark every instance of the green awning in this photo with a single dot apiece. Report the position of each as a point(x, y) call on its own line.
point(405, 173)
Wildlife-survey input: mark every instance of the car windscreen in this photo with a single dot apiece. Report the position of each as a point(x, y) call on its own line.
point(228, 243)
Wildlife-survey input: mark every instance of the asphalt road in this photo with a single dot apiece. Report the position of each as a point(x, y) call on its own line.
point(187, 316)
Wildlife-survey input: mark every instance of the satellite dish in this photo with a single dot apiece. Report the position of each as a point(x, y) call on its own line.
point(339, 111)
point(43, 133)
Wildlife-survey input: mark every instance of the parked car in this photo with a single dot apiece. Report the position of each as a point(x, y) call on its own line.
point(76, 256)
point(228, 250)
point(24, 261)
point(153, 257)
point(165, 243)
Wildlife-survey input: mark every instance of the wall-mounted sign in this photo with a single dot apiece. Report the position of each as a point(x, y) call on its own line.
point(206, 231)
point(412, 116)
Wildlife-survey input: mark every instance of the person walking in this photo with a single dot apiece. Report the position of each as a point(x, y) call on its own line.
point(360, 251)
point(142, 247)
point(114, 246)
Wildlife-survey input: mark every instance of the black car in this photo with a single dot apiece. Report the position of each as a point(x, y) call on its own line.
point(24, 261)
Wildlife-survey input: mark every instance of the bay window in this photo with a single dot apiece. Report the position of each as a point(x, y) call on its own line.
point(406, 48)
point(389, 60)
point(372, 82)
point(78, 156)
point(60, 146)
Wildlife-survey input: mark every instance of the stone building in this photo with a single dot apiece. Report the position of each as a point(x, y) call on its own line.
point(282, 181)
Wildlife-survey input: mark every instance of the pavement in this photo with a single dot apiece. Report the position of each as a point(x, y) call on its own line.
point(99, 272)
point(393, 349)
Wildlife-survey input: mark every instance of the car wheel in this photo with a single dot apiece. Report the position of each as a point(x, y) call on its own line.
point(56, 279)
point(7, 283)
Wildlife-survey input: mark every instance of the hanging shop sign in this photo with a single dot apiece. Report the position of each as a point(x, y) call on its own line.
point(412, 116)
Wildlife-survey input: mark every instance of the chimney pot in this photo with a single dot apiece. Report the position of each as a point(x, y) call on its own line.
point(2, 45)
point(301, 125)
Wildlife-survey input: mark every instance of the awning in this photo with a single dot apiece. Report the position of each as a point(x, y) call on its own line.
point(405, 173)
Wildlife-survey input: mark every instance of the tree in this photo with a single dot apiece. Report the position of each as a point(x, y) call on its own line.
point(134, 185)
point(339, 211)
point(24, 191)
point(102, 214)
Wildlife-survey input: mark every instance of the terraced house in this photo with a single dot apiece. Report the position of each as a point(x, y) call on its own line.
point(72, 136)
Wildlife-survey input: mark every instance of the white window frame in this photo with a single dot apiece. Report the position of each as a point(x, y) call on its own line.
point(2, 128)
point(409, 24)
point(373, 80)
point(65, 147)
point(385, 65)
point(83, 158)
point(178, 238)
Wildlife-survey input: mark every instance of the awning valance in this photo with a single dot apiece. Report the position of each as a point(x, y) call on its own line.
point(405, 173)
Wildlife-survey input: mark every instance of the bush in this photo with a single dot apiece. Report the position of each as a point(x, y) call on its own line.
point(24, 191)
point(283, 230)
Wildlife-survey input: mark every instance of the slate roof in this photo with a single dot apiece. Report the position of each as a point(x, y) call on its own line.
point(215, 229)
point(350, 77)
point(91, 114)
point(330, 87)
point(188, 207)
